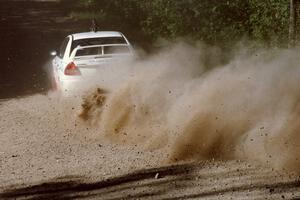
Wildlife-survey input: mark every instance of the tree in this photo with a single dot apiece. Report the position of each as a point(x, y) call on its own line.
point(213, 21)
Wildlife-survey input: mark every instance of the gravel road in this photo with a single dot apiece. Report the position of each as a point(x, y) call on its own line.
point(46, 153)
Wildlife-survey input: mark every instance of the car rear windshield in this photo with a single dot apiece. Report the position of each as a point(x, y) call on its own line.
point(106, 50)
point(97, 41)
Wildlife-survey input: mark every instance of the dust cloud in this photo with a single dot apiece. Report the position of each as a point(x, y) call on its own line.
point(185, 102)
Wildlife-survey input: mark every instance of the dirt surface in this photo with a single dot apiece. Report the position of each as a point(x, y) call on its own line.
point(46, 153)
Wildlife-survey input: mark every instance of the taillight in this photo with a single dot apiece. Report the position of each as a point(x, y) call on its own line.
point(72, 69)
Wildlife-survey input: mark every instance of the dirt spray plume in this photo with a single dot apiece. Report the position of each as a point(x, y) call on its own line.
point(248, 108)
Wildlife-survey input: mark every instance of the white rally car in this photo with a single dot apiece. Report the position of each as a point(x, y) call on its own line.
point(83, 56)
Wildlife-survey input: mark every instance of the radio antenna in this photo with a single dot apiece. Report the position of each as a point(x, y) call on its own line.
point(94, 26)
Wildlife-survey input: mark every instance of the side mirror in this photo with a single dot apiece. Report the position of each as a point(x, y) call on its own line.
point(53, 53)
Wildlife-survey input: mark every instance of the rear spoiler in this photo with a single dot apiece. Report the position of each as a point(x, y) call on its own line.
point(102, 45)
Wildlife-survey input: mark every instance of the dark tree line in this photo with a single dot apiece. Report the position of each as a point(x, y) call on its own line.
point(219, 22)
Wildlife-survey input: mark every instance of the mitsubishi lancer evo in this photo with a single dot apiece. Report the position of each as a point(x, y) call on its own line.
point(83, 56)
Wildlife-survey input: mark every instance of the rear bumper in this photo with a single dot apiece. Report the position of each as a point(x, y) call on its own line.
point(78, 86)
point(72, 87)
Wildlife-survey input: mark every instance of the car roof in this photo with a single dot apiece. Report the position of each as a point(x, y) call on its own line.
point(85, 35)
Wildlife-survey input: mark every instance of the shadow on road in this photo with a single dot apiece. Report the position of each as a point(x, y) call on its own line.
point(183, 181)
point(69, 188)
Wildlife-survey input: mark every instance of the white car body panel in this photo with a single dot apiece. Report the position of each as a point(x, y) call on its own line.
point(91, 66)
point(101, 34)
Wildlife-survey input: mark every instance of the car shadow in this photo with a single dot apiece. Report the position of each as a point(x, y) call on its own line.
point(75, 187)
point(182, 181)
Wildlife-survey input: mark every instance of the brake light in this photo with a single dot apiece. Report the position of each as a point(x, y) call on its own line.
point(72, 69)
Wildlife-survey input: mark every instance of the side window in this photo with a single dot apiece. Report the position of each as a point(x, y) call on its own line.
point(63, 47)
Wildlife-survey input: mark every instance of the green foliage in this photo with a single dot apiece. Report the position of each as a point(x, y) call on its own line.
point(269, 21)
point(212, 21)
